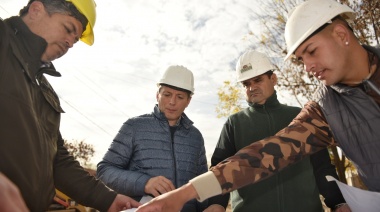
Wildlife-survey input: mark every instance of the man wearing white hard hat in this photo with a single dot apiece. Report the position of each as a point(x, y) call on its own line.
point(157, 152)
point(264, 117)
point(33, 160)
point(345, 112)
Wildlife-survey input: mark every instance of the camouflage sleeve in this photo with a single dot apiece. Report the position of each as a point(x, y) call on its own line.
point(305, 135)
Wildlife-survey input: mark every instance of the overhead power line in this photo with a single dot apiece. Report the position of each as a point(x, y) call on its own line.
point(101, 128)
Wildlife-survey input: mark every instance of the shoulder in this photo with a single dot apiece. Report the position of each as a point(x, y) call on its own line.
point(196, 131)
point(321, 94)
point(140, 121)
point(374, 49)
point(140, 118)
point(291, 108)
point(188, 128)
point(3, 33)
point(139, 125)
point(2, 27)
point(188, 125)
point(243, 113)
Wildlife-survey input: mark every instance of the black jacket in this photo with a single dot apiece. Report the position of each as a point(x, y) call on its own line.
point(31, 147)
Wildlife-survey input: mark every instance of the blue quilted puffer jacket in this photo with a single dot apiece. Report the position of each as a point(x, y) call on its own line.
point(144, 148)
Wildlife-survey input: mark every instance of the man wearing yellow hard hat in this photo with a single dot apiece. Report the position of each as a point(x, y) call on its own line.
point(33, 160)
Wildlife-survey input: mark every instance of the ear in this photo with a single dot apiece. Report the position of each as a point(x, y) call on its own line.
point(274, 79)
point(342, 34)
point(188, 101)
point(36, 8)
point(158, 93)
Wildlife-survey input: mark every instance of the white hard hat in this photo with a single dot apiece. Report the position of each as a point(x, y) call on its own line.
point(309, 16)
point(178, 76)
point(251, 64)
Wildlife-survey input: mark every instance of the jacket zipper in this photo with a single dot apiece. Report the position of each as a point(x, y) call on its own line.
point(174, 163)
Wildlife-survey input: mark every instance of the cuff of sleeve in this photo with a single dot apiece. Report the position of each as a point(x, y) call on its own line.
point(206, 185)
point(139, 188)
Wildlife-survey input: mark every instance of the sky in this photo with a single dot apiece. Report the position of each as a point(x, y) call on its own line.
point(135, 41)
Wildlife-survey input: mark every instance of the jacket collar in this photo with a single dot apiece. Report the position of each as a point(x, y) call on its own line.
point(184, 120)
point(271, 103)
point(32, 46)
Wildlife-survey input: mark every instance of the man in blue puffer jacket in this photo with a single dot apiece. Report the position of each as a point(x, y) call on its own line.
point(158, 152)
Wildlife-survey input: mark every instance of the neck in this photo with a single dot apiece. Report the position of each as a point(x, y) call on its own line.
point(173, 123)
point(360, 67)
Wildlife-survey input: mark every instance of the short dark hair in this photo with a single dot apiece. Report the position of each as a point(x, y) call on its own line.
point(58, 6)
point(175, 88)
point(338, 17)
point(269, 73)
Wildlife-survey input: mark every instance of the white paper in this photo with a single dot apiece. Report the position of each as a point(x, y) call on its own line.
point(359, 200)
point(143, 200)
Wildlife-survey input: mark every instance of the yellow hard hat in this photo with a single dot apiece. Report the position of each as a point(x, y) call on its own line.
point(87, 8)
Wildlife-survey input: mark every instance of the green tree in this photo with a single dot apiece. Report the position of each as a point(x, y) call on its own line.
point(81, 151)
point(230, 99)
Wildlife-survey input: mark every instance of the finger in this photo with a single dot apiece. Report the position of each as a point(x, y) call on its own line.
point(167, 184)
point(134, 204)
point(154, 192)
point(170, 185)
point(161, 189)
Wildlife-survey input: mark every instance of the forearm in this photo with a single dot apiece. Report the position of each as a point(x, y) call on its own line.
point(206, 186)
point(307, 134)
point(186, 193)
point(114, 168)
point(74, 181)
point(131, 183)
